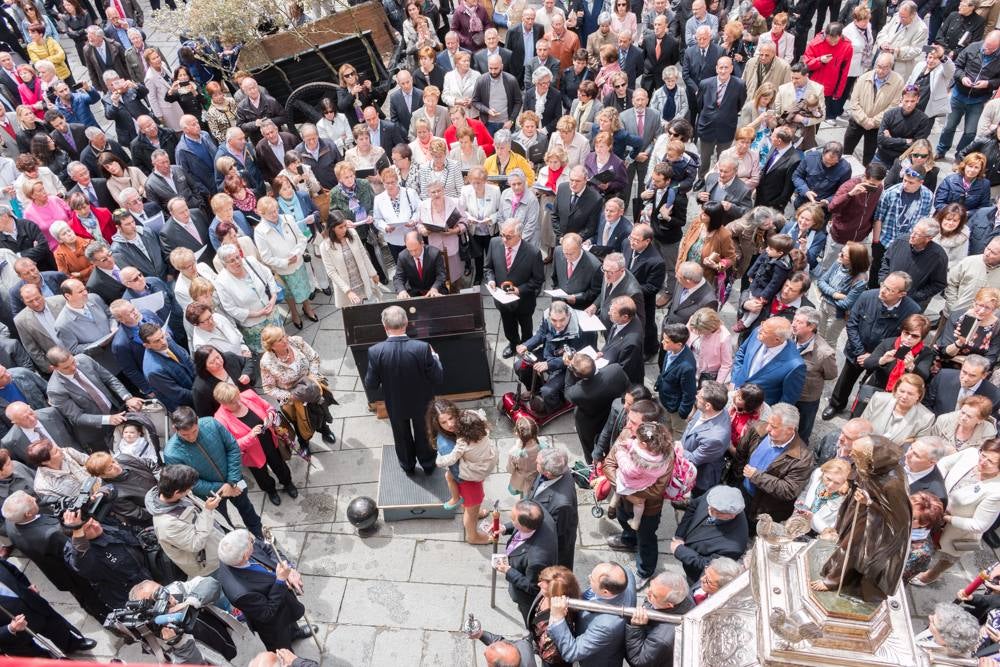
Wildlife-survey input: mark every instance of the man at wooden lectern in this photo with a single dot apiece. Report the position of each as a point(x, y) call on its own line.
point(408, 372)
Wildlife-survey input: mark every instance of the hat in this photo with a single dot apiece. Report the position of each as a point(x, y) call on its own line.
point(725, 499)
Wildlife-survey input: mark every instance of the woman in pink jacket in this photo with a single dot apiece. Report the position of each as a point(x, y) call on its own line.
point(252, 422)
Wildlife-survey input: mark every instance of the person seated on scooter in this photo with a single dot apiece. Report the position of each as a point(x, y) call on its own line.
point(558, 331)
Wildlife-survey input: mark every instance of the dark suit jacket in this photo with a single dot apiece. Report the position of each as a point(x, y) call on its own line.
point(36, 609)
point(696, 69)
point(515, 42)
point(267, 161)
point(89, 155)
point(649, 270)
point(705, 446)
point(678, 383)
point(142, 149)
point(737, 193)
point(634, 61)
point(553, 107)
point(399, 113)
point(479, 60)
point(627, 286)
point(933, 483)
point(415, 372)
point(43, 541)
point(652, 645)
point(79, 138)
point(717, 120)
point(704, 541)
point(79, 409)
point(104, 198)
point(512, 87)
point(653, 68)
point(391, 134)
point(171, 380)
point(174, 236)
point(584, 284)
point(582, 218)
point(617, 240)
point(942, 392)
point(559, 500)
point(52, 279)
point(592, 398)
point(528, 560)
point(271, 608)
point(104, 286)
point(159, 192)
point(434, 275)
point(680, 312)
point(527, 272)
point(30, 243)
point(52, 420)
point(126, 254)
point(96, 66)
point(775, 188)
point(625, 349)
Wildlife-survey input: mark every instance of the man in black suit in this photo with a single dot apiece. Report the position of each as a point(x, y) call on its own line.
point(100, 55)
point(617, 282)
point(724, 187)
point(543, 58)
point(271, 149)
point(521, 41)
point(94, 189)
point(185, 228)
point(720, 100)
point(631, 57)
point(420, 270)
point(539, 87)
point(693, 293)
point(699, 64)
point(480, 59)
point(659, 49)
point(576, 272)
point(555, 490)
point(920, 465)
point(698, 540)
point(446, 59)
point(25, 239)
point(320, 154)
point(31, 610)
point(407, 371)
point(404, 100)
point(624, 342)
point(9, 79)
point(592, 393)
point(775, 188)
point(30, 425)
point(105, 278)
point(167, 181)
point(578, 206)
point(383, 133)
point(946, 391)
point(648, 644)
point(152, 137)
point(516, 266)
point(646, 124)
point(646, 265)
point(98, 143)
point(667, 216)
point(532, 547)
point(613, 229)
point(263, 583)
point(70, 137)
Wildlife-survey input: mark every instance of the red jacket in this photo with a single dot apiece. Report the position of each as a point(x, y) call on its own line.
point(851, 218)
point(832, 75)
point(104, 222)
point(483, 136)
point(249, 444)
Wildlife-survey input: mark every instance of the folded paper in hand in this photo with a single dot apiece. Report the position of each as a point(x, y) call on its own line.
point(589, 322)
point(592, 353)
point(502, 296)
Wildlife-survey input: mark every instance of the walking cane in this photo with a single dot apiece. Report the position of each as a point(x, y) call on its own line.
point(850, 541)
point(272, 540)
point(41, 640)
point(496, 546)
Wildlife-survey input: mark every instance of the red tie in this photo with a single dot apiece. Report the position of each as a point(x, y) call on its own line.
point(569, 270)
point(640, 118)
point(658, 50)
point(510, 257)
point(420, 268)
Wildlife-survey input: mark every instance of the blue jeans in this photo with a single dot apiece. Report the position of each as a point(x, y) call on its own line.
point(247, 512)
point(971, 112)
point(493, 128)
point(644, 539)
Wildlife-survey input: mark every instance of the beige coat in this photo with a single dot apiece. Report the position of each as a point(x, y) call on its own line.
point(946, 424)
point(780, 72)
point(476, 460)
point(964, 280)
point(336, 269)
point(916, 423)
point(866, 106)
point(821, 366)
point(973, 508)
point(786, 100)
point(909, 43)
point(185, 535)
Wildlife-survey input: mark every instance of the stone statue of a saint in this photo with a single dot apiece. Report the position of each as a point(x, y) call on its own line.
point(873, 526)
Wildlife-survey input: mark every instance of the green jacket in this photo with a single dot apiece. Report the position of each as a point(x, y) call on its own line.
point(338, 199)
point(219, 444)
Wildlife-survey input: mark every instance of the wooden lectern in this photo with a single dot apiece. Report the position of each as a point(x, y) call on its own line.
point(454, 325)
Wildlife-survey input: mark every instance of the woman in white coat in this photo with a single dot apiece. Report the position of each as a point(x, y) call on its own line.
point(282, 246)
point(158, 80)
point(352, 276)
point(933, 76)
point(824, 494)
point(972, 480)
point(460, 84)
point(435, 213)
point(481, 202)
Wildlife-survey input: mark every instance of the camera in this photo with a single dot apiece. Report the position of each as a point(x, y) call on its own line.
point(140, 618)
point(93, 501)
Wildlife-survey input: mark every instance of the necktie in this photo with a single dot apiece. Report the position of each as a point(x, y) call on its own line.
point(92, 195)
point(721, 92)
point(607, 293)
point(770, 161)
point(420, 268)
point(758, 362)
point(704, 53)
point(658, 49)
point(569, 270)
point(39, 433)
point(168, 353)
point(509, 257)
point(117, 274)
point(631, 264)
point(573, 200)
point(95, 395)
point(621, 58)
point(193, 231)
point(640, 122)
point(69, 140)
point(607, 234)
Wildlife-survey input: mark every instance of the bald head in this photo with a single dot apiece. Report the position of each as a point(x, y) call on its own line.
point(502, 654)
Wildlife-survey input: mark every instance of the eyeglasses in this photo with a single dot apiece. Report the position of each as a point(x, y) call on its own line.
point(621, 85)
point(911, 89)
point(347, 74)
point(920, 155)
point(913, 173)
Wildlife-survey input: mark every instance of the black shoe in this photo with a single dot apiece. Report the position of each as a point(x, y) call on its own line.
point(304, 631)
point(297, 325)
point(429, 470)
point(312, 295)
point(274, 497)
point(85, 644)
point(830, 413)
point(327, 291)
point(616, 543)
point(698, 184)
point(409, 471)
point(328, 437)
point(291, 490)
point(508, 352)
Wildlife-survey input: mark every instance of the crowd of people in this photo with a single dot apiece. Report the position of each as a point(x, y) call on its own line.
point(647, 163)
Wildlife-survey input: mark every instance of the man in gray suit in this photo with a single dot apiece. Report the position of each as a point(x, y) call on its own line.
point(137, 246)
point(30, 425)
point(91, 398)
point(167, 181)
point(84, 324)
point(707, 435)
point(36, 324)
point(645, 124)
point(576, 272)
point(693, 293)
point(617, 282)
point(724, 187)
point(598, 639)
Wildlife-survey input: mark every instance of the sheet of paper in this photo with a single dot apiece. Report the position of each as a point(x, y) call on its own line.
point(503, 297)
point(471, 290)
point(556, 293)
point(152, 302)
point(592, 353)
point(589, 322)
point(154, 223)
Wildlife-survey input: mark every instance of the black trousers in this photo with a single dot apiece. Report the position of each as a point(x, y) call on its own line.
point(49, 623)
point(854, 134)
point(821, 8)
point(277, 465)
point(650, 334)
point(213, 632)
point(516, 321)
point(410, 436)
point(878, 252)
point(550, 389)
point(845, 384)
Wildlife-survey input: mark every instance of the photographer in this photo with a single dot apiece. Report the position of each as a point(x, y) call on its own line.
point(132, 478)
point(112, 559)
point(558, 333)
point(59, 472)
point(185, 526)
point(207, 627)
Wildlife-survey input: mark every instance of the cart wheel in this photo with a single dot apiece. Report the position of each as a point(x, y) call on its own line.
point(597, 511)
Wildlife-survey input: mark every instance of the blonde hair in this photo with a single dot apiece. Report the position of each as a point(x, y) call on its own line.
point(200, 287)
point(219, 201)
point(270, 335)
point(225, 392)
point(988, 294)
point(98, 463)
point(705, 320)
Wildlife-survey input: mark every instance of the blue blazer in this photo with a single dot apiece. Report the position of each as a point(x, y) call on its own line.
point(619, 238)
point(240, 221)
point(781, 379)
point(600, 638)
point(815, 248)
point(170, 309)
point(129, 351)
point(678, 383)
point(203, 175)
point(305, 203)
point(171, 381)
point(705, 446)
point(982, 229)
point(950, 191)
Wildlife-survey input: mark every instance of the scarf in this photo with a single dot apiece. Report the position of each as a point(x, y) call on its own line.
point(354, 203)
point(475, 25)
point(553, 179)
point(898, 369)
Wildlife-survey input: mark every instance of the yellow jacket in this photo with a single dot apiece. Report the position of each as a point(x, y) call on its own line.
point(516, 162)
point(50, 50)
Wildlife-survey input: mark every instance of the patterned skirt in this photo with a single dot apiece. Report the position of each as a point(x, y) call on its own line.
point(297, 284)
point(251, 335)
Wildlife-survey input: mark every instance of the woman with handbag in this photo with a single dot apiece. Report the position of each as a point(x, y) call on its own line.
point(443, 223)
point(252, 422)
point(481, 201)
point(356, 200)
point(289, 372)
point(972, 331)
point(283, 248)
point(248, 293)
point(351, 273)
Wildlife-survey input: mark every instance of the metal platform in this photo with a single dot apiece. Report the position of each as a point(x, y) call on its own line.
point(402, 497)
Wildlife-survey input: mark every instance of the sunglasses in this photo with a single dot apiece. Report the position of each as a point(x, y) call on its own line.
point(922, 155)
point(621, 85)
point(912, 173)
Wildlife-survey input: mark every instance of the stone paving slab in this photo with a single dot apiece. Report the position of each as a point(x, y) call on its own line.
point(334, 555)
point(402, 604)
point(346, 466)
point(349, 646)
point(323, 597)
point(442, 562)
point(396, 646)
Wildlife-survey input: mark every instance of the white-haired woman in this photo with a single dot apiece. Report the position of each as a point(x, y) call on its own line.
point(282, 246)
point(518, 202)
point(670, 100)
point(248, 292)
point(443, 222)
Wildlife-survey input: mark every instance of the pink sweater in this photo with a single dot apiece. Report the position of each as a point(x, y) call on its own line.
point(43, 216)
point(714, 352)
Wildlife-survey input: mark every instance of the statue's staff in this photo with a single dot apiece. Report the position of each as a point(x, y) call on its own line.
point(496, 546)
point(859, 496)
point(623, 612)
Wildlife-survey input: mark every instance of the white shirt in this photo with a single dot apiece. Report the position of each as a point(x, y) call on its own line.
point(764, 356)
point(33, 436)
point(912, 477)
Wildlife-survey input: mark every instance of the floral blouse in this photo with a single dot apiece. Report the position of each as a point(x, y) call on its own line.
point(278, 378)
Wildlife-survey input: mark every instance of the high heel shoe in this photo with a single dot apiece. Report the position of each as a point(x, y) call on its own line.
point(311, 316)
point(297, 325)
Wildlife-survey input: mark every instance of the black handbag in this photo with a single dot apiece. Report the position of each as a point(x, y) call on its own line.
point(864, 395)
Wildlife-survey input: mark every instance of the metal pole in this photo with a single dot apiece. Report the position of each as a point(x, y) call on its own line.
point(272, 540)
point(850, 541)
point(623, 612)
point(496, 547)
